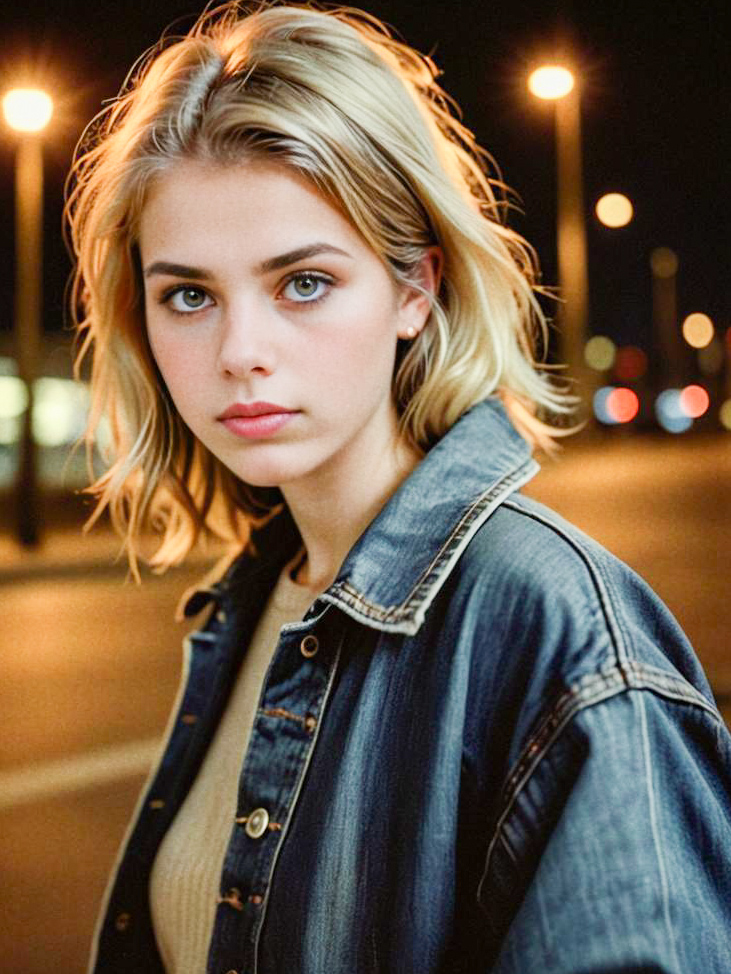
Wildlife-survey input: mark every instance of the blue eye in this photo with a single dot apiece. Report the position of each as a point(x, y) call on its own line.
point(306, 287)
point(185, 300)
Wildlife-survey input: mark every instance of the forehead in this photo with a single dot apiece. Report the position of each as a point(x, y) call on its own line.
point(255, 204)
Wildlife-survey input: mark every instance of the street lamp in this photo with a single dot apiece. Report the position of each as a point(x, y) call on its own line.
point(28, 111)
point(557, 83)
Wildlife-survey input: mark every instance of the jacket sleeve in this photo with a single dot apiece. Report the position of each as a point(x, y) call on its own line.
point(614, 853)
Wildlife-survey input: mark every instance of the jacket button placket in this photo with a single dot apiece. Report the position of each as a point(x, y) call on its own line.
point(279, 749)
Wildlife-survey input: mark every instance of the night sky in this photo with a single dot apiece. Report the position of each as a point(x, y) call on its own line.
point(656, 120)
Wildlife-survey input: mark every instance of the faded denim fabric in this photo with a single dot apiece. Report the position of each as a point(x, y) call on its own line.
point(487, 747)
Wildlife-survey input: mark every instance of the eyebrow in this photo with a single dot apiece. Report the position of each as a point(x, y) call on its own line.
point(302, 253)
point(272, 264)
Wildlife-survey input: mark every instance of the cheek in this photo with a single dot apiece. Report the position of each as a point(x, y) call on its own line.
point(360, 349)
point(348, 371)
point(176, 364)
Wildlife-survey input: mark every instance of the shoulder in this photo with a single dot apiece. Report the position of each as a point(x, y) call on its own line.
point(554, 600)
point(556, 628)
point(536, 549)
point(525, 551)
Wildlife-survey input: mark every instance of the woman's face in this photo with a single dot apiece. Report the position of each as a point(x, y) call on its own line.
point(272, 322)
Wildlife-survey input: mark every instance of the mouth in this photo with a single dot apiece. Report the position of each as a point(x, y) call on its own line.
point(256, 420)
point(252, 409)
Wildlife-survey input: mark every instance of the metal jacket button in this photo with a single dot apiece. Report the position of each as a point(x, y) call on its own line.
point(233, 898)
point(256, 823)
point(309, 646)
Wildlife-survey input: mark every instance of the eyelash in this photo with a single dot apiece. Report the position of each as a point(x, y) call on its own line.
point(318, 276)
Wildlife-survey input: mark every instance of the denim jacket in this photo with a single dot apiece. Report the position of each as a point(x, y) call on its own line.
point(487, 747)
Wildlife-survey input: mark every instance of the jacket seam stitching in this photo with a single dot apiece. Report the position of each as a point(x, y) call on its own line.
point(587, 693)
point(395, 613)
point(601, 583)
point(654, 828)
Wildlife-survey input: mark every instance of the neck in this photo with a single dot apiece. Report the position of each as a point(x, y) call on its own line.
point(333, 512)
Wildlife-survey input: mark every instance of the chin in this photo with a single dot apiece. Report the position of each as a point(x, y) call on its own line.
point(269, 468)
point(266, 477)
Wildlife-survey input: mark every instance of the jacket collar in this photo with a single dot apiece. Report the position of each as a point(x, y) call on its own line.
point(395, 569)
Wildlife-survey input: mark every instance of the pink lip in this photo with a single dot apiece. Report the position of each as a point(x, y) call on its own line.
point(255, 420)
point(252, 409)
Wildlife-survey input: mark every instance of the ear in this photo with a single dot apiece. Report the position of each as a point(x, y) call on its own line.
point(415, 305)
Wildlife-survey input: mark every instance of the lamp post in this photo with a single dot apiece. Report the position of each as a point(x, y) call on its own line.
point(28, 111)
point(669, 366)
point(558, 84)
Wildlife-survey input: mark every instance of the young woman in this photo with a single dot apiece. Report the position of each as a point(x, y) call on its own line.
point(425, 725)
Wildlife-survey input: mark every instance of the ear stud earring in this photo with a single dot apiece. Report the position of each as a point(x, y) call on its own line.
point(411, 332)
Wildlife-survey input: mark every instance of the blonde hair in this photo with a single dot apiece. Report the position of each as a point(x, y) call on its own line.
point(331, 94)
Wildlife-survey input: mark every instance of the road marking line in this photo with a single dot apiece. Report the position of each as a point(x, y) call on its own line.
point(52, 778)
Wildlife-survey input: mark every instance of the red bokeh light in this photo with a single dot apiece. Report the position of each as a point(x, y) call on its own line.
point(630, 363)
point(694, 401)
point(622, 405)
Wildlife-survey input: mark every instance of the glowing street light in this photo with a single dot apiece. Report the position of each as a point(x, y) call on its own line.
point(557, 83)
point(550, 82)
point(28, 111)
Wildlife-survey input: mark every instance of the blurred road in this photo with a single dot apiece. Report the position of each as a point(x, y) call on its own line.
point(89, 668)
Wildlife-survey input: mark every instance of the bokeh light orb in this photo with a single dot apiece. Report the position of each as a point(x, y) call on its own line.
point(13, 396)
point(600, 405)
point(615, 404)
point(599, 353)
point(13, 403)
point(623, 404)
point(614, 210)
point(724, 414)
point(630, 363)
point(698, 330)
point(27, 109)
point(59, 411)
point(670, 413)
point(694, 401)
point(664, 262)
point(552, 81)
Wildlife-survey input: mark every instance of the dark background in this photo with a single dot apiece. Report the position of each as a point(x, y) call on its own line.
point(656, 89)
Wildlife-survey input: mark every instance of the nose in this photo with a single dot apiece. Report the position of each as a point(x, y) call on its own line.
point(246, 343)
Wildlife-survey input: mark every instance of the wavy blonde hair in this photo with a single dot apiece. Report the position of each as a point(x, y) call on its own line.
point(332, 95)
